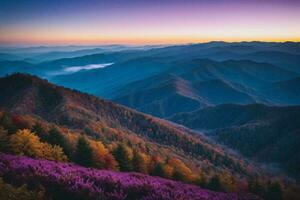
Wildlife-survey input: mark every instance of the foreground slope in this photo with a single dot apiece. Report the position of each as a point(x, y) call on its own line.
point(28, 95)
point(69, 181)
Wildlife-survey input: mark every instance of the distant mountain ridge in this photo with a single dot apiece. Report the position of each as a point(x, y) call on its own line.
point(203, 74)
point(220, 108)
point(207, 82)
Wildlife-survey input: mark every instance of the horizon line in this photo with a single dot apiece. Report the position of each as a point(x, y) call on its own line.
point(139, 44)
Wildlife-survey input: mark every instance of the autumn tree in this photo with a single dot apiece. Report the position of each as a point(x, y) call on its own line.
point(110, 162)
point(19, 122)
point(99, 152)
point(53, 153)
point(140, 162)
point(168, 170)
point(102, 158)
point(153, 162)
point(24, 142)
point(228, 182)
point(181, 171)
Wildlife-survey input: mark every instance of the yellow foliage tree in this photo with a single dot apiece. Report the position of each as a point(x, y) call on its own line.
point(228, 182)
point(53, 152)
point(168, 170)
point(140, 162)
point(24, 142)
point(99, 152)
point(181, 171)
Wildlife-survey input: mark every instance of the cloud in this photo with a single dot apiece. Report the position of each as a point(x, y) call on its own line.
point(74, 69)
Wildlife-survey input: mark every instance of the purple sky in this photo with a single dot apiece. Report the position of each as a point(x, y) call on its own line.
point(164, 21)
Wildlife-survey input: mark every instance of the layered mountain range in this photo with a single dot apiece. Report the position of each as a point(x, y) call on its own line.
point(200, 75)
point(216, 108)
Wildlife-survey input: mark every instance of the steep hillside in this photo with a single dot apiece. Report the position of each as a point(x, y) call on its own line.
point(263, 133)
point(162, 97)
point(27, 95)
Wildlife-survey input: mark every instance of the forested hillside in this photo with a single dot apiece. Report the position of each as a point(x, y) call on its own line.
point(46, 121)
point(263, 133)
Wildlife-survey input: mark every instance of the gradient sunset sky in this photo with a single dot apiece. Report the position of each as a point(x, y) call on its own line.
point(40, 22)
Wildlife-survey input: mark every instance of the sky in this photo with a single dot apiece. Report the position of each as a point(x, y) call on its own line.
point(39, 22)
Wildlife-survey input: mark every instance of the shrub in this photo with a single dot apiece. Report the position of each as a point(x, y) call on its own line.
point(8, 192)
point(24, 142)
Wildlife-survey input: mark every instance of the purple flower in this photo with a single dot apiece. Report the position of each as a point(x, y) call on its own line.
point(77, 182)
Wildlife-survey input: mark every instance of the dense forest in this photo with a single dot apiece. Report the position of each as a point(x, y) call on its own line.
point(44, 121)
point(268, 134)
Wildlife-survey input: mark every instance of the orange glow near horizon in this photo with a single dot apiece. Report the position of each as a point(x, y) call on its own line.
point(139, 41)
point(148, 22)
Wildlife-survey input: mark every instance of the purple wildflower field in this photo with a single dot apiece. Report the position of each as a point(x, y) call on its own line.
point(68, 181)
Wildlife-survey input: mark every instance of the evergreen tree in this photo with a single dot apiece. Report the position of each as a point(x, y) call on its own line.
point(83, 154)
point(215, 184)
point(158, 170)
point(201, 180)
point(123, 155)
point(55, 137)
point(274, 192)
point(257, 187)
point(179, 176)
point(7, 123)
point(4, 140)
point(39, 131)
